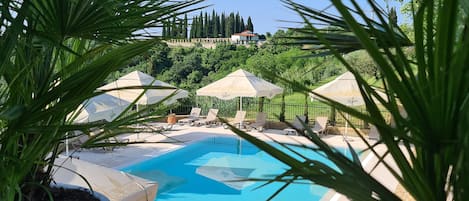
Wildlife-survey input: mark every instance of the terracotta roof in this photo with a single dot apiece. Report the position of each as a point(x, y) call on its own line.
point(245, 33)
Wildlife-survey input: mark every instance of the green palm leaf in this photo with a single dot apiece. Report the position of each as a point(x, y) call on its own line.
point(54, 55)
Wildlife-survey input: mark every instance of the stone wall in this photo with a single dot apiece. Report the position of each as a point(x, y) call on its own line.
point(204, 42)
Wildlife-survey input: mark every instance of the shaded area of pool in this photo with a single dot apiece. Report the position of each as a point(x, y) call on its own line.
point(210, 170)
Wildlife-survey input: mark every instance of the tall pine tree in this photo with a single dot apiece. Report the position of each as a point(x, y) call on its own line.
point(230, 25)
point(237, 27)
point(167, 24)
point(200, 26)
point(222, 25)
point(184, 27)
point(174, 28)
point(206, 26)
point(163, 32)
point(215, 25)
point(180, 28)
point(193, 27)
point(250, 26)
point(243, 27)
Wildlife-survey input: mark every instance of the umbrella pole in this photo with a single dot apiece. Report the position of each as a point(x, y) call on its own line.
point(241, 103)
point(138, 125)
point(66, 144)
point(346, 129)
point(241, 109)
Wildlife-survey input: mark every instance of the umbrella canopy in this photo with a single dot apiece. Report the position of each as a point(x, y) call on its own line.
point(344, 89)
point(240, 84)
point(138, 79)
point(101, 107)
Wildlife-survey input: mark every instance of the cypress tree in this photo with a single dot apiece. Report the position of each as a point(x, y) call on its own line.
point(174, 28)
point(166, 29)
point(211, 28)
point(206, 26)
point(192, 32)
point(237, 27)
point(184, 27)
point(180, 28)
point(215, 24)
point(222, 25)
point(229, 25)
point(200, 25)
point(200, 28)
point(243, 28)
point(250, 26)
point(163, 32)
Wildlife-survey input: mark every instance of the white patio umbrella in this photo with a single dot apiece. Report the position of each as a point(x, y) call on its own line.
point(344, 89)
point(240, 84)
point(101, 107)
point(137, 79)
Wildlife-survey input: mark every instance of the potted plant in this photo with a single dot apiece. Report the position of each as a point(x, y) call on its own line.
point(53, 55)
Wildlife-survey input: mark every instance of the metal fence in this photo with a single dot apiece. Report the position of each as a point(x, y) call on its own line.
point(228, 108)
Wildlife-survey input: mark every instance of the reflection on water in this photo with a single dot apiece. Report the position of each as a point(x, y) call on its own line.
point(216, 170)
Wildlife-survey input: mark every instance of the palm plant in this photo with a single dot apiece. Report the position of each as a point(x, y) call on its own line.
point(54, 54)
point(429, 143)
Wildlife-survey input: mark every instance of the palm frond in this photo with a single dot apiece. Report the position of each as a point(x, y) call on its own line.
point(429, 140)
point(54, 55)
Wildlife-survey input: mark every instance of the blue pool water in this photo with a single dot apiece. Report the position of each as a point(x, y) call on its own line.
point(206, 170)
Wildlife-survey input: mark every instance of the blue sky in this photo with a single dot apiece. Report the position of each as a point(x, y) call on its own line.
point(265, 14)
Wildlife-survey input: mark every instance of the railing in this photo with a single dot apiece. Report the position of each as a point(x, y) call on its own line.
point(228, 108)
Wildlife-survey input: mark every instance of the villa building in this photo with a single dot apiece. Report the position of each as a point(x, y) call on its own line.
point(244, 37)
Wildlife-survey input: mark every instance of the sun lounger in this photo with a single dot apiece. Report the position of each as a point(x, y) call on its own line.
point(297, 125)
point(193, 116)
point(320, 125)
point(76, 142)
point(156, 128)
point(209, 120)
point(238, 120)
point(260, 122)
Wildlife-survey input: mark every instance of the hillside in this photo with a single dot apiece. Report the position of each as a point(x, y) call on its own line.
point(193, 67)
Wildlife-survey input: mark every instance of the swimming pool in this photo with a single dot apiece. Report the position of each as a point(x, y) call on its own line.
point(206, 171)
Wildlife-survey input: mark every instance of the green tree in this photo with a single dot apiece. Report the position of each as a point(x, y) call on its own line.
point(174, 27)
point(160, 59)
point(206, 28)
point(213, 25)
point(194, 27)
point(164, 30)
point(200, 26)
point(237, 24)
point(249, 25)
point(216, 26)
point(243, 26)
point(229, 24)
point(223, 25)
point(185, 27)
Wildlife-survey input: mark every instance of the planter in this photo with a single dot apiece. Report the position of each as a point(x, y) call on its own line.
point(171, 119)
point(67, 189)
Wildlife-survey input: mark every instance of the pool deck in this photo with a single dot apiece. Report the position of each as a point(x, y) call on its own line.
point(180, 136)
